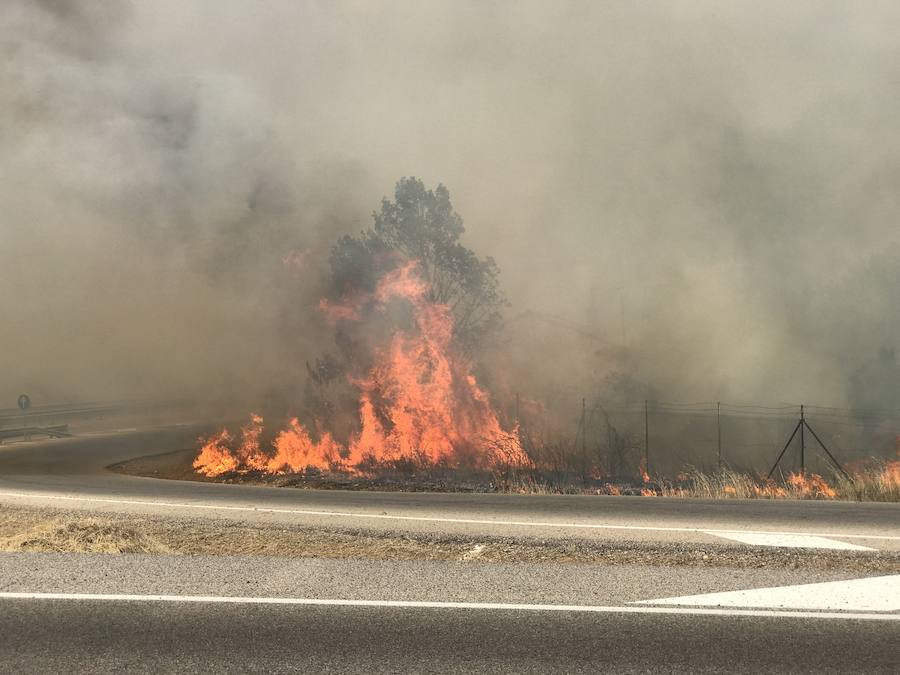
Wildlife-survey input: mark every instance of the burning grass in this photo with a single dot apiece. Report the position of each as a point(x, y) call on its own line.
point(400, 407)
point(878, 482)
point(417, 398)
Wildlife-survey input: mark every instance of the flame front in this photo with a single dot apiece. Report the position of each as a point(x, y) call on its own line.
point(811, 485)
point(890, 475)
point(419, 401)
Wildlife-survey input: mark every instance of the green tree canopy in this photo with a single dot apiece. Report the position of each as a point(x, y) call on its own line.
point(421, 225)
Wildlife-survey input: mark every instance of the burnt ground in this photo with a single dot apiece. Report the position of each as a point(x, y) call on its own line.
point(177, 466)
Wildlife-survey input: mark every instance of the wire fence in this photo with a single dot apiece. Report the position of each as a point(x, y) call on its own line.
point(665, 437)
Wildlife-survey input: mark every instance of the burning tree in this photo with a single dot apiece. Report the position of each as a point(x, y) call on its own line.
point(420, 225)
point(408, 302)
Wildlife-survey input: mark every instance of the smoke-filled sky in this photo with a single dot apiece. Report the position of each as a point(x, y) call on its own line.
point(715, 184)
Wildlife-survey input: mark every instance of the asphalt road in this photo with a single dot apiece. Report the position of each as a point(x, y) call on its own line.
point(141, 635)
point(70, 473)
point(53, 636)
point(269, 614)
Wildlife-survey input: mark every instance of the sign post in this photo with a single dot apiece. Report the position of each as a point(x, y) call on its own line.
point(24, 402)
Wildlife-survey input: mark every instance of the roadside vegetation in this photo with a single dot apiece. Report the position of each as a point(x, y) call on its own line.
point(875, 481)
point(880, 482)
point(31, 530)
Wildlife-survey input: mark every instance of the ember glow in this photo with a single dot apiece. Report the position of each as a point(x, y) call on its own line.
point(418, 401)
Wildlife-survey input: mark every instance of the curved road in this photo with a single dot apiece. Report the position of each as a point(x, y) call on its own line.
point(151, 613)
point(71, 473)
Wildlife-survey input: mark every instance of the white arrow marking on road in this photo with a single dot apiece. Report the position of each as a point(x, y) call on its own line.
point(873, 594)
point(790, 540)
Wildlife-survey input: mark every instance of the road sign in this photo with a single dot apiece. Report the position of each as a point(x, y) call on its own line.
point(24, 402)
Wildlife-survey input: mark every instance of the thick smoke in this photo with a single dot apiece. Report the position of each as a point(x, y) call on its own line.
point(701, 196)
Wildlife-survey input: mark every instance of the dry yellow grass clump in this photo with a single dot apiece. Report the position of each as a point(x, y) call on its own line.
point(88, 535)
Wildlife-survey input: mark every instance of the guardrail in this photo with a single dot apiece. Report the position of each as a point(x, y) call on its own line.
point(58, 431)
point(71, 411)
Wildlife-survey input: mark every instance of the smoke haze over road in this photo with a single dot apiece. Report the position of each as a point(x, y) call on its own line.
point(713, 186)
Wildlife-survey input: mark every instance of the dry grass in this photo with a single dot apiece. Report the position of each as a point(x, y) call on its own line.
point(878, 483)
point(724, 484)
point(88, 535)
point(49, 530)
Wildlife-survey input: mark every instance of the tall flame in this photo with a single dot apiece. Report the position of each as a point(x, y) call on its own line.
point(419, 400)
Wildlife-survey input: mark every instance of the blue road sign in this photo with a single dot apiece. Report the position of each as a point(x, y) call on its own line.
point(24, 402)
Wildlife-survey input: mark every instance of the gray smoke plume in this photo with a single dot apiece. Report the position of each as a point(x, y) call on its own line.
point(701, 196)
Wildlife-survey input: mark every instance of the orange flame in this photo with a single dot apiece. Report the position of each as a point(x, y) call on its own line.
point(216, 456)
point(890, 474)
point(419, 400)
point(811, 485)
point(642, 467)
point(295, 450)
point(770, 490)
point(337, 312)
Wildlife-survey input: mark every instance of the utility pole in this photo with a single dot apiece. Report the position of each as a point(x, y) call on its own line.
point(719, 431)
point(609, 445)
point(802, 442)
point(584, 460)
point(646, 437)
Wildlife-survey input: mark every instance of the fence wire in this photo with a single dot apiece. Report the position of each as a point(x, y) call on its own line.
point(668, 437)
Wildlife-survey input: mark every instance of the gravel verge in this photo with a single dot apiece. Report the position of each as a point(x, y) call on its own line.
point(26, 529)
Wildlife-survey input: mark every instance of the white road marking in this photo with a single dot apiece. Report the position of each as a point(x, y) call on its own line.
point(791, 540)
point(419, 604)
point(872, 594)
point(430, 519)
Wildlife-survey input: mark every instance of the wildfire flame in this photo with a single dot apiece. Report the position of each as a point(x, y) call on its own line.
point(770, 490)
point(890, 475)
point(811, 485)
point(646, 491)
point(419, 400)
